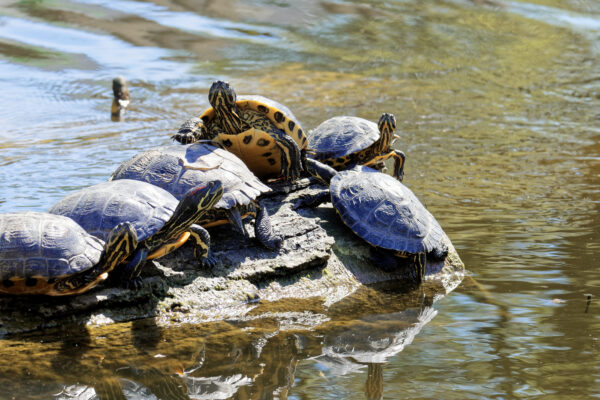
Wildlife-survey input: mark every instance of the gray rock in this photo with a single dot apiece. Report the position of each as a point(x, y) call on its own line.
point(320, 258)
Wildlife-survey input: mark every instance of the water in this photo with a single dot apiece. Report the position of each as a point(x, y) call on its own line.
point(497, 105)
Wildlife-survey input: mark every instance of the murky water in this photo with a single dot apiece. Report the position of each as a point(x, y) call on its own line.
point(498, 108)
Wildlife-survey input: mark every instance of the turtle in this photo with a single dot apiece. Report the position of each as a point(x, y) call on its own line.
point(120, 99)
point(384, 213)
point(177, 168)
point(162, 222)
point(343, 142)
point(260, 131)
point(42, 253)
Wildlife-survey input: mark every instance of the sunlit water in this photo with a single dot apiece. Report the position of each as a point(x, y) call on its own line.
point(498, 111)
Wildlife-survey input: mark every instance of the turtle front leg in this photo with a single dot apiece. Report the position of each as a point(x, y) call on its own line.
point(201, 239)
point(191, 131)
point(399, 159)
point(312, 201)
point(129, 276)
point(264, 231)
point(291, 157)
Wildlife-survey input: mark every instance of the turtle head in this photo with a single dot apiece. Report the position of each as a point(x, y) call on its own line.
point(120, 90)
point(318, 170)
point(222, 97)
point(196, 202)
point(208, 195)
point(120, 244)
point(387, 126)
point(121, 98)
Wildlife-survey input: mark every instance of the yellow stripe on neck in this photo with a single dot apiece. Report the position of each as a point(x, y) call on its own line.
point(169, 247)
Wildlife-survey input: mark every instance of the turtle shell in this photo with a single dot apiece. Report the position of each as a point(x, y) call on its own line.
point(37, 247)
point(179, 168)
point(384, 212)
point(279, 115)
point(99, 208)
point(340, 136)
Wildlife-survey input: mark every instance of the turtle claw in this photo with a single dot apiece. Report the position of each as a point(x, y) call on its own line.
point(190, 131)
point(208, 262)
point(273, 243)
point(183, 138)
point(133, 284)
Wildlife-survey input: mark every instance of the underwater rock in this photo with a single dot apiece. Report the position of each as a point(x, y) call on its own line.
point(320, 258)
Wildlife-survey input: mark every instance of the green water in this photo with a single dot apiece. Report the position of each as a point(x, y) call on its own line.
point(497, 105)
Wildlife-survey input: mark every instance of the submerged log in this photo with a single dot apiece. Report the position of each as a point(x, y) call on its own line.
point(320, 258)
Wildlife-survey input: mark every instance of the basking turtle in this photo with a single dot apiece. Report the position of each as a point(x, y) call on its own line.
point(260, 131)
point(343, 142)
point(162, 222)
point(42, 253)
point(384, 213)
point(178, 168)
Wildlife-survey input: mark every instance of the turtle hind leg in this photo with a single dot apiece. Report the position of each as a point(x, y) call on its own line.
point(264, 231)
point(235, 219)
point(202, 253)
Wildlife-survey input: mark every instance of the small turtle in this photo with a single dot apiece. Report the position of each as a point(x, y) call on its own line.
point(260, 131)
point(384, 213)
point(162, 222)
point(42, 253)
point(121, 98)
point(178, 168)
point(343, 142)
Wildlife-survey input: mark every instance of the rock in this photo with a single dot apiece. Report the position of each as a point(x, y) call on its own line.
point(320, 258)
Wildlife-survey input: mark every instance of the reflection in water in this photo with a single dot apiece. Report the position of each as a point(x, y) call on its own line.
point(497, 108)
point(246, 359)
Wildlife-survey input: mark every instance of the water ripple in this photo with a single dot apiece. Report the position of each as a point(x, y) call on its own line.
point(192, 22)
point(105, 50)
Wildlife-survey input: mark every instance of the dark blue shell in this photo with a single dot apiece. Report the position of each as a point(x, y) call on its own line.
point(99, 208)
point(340, 136)
point(384, 212)
point(40, 244)
point(179, 168)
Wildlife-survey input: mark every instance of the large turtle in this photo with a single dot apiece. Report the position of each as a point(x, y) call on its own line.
point(343, 142)
point(162, 222)
point(260, 131)
point(384, 213)
point(42, 253)
point(178, 168)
